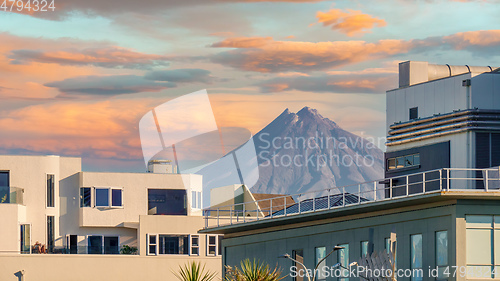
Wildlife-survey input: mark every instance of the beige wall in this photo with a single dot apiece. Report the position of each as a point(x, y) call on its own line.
point(98, 267)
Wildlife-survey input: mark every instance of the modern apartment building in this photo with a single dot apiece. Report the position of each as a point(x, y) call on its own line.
point(439, 201)
point(84, 220)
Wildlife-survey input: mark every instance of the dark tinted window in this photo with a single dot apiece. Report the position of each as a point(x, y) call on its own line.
point(116, 197)
point(50, 190)
point(174, 244)
point(50, 233)
point(111, 245)
point(4, 178)
point(167, 202)
point(102, 197)
point(413, 113)
point(95, 244)
point(298, 255)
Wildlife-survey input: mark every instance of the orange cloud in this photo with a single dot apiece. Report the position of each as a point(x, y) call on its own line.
point(266, 55)
point(350, 22)
point(482, 38)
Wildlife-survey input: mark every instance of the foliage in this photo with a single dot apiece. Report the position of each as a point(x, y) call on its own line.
point(127, 250)
point(194, 272)
point(252, 271)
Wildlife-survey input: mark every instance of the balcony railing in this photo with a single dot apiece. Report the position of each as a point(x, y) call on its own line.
point(9, 194)
point(358, 194)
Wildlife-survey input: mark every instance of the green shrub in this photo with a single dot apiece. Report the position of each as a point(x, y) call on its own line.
point(252, 271)
point(194, 272)
point(127, 250)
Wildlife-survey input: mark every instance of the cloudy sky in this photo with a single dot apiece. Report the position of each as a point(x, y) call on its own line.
point(77, 80)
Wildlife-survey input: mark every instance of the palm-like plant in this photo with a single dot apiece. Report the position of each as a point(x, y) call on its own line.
point(252, 271)
point(194, 272)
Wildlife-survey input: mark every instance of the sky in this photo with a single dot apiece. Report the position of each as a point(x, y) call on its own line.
point(75, 80)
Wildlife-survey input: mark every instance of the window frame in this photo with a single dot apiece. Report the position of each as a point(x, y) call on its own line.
point(347, 249)
point(148, 244)
point(361, 243)
point(102, 243)
point(216, 245)
point(21, 239)
point(110, 197)
point(49, 249)
point(7, 195)
point(392, 163)
point(192, 246)
point(317, 259)
point(413, 277)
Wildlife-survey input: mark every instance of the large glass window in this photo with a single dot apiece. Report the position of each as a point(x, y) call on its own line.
point(50, 233)
point(173, 244)
point(298, 255)
point(102, 197)
point(416, 257)
point(111, 245)
point(167, 202)
point(343, 259)
point(4, 187)
point(441, 253)
point(196, 199)
point(50, 190)
point(25, 239)
point(320, 253)
point(85, 197)
point(94, 244)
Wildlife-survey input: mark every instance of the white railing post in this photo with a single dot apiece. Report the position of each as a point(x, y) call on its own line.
point(298, 197)
point(271, 208)
point(218, 216)
point(314, 204)
point(284, 210)
point(375, 191)
point(407, 186)
point(486, 179)
point(343, 196)
point(244, 211)
point(359, 193)
point(231, 215)
point(441, 179)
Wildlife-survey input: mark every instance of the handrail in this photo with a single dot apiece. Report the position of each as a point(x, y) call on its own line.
point(355, 194)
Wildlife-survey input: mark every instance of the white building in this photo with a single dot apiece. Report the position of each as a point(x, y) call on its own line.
point(78, 216)
point(443, 116)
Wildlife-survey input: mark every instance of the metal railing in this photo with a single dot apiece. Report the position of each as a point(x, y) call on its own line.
point(364, 193)
point(9, 194)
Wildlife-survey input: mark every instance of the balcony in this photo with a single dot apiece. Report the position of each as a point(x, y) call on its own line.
point(435, 181)
point(12, 195)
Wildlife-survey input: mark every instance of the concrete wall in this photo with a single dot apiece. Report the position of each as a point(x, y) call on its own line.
point(97, 267)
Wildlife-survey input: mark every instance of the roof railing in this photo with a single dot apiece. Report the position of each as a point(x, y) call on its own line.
point(357, 194)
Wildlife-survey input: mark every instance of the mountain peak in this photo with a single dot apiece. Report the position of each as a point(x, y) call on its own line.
point(306, 110)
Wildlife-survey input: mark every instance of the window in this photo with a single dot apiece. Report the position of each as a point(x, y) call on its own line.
point(413, 113)
point(416, 257)
point(85, 197)
point(25, 239)
point(441, 253)
point(343, 259)
point(72, 244)
point(388, 249)
point(298, 255)
point(111, 245)
point(196, 199)
point(50, 190)
point(4, 187)
point(98, 244)
point(152, 244)
point(50, 233)
point(167, 202)
point(173, 244)
point(211, 245)
point(405, 161)
point(364, 248)
point(195, 245)
point(94, 244)
point(106, 197)
point(320, 253)
point(483, 244)
point(102, 197)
